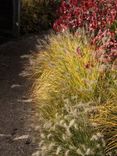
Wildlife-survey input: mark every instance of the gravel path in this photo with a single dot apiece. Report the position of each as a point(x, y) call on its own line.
point(17, 123)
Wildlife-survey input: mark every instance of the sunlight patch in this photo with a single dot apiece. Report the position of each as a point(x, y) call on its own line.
point(36, 153)
point(5, 135)
point(15, 86)
point(23, 137)
point(25, 100)
point(24, 74)
point(25, 56)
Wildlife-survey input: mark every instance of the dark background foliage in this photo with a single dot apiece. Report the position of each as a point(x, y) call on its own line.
point(37, 15)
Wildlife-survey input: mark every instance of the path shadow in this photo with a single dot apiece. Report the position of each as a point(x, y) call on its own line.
point(15, 107)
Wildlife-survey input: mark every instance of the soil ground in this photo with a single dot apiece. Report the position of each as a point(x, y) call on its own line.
point(17, 111)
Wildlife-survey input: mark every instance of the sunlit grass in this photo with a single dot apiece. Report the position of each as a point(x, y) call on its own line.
point(66, 72)
point(61, 72)
point(71, 134)
point(107, 121)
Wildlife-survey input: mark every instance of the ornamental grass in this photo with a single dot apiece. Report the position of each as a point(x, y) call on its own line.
point(63, 71)
point(68, 76)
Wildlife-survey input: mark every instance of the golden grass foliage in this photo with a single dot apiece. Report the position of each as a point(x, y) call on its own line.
point(71, 134)
point(60, 72)
point(67, 72)
point(107, 118)
point(107, 121)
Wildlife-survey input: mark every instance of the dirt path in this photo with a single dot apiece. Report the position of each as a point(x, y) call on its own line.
point(16, 108)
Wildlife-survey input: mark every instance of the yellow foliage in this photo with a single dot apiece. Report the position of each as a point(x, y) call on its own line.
point(107, 121)
point(60, 72)
point(67, 72)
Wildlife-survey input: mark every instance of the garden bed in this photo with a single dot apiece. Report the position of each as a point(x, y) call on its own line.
point(75, 81)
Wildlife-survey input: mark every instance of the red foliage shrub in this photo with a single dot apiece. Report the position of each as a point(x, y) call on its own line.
point(96, 16)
